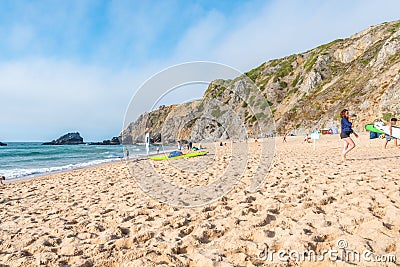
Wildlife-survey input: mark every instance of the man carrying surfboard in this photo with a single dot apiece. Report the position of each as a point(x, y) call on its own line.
point(345, 133)
point(389, 136)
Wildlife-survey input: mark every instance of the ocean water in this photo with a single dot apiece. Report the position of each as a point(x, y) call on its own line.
point(19, 160)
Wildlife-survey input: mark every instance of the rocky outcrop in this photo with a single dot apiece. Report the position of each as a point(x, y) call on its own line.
point(114, 141)
point(3, 144)
point(147, 122)
point(67, 139)
point(297, 93)
point(358, 45)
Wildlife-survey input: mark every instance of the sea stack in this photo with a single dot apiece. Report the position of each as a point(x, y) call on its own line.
point(67, 139)
point(114, 141)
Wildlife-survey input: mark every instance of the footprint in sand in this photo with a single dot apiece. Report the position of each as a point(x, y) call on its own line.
point(267, 220)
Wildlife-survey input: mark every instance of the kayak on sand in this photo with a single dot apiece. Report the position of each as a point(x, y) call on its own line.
point(175, 155)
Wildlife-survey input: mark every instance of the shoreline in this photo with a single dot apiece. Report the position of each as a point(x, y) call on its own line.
point(139, 157)
point(43, 175)
point(50, 174)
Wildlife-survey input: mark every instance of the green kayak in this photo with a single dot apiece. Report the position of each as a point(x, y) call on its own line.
point(189, 155)
point(371, 128)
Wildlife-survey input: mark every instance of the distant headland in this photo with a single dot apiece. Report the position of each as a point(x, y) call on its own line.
point(67, 139)
point(77, 139)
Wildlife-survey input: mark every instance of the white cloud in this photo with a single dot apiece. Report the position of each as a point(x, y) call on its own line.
point(280, 28)
point(47, 97)
point(201, 37)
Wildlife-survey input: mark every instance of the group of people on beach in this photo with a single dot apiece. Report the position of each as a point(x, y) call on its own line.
point(189, 145)
point(347, 130)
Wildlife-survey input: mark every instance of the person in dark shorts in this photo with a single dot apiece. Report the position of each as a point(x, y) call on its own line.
point(127, 154)
point(346, 132)
point(389, 136)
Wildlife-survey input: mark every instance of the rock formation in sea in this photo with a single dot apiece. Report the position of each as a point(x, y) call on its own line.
point(3, 144)
point(300, 93)
point(67, 139)
point(114, 141)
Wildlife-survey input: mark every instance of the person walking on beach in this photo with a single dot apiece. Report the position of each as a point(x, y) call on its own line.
point(307, 139)
point(284, 138)
point(345, 133)
point(2, 179)
point(127, 154)
point(179, 146)
point(389, 136)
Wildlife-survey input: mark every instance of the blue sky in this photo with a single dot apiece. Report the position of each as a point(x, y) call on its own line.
point(74, 65)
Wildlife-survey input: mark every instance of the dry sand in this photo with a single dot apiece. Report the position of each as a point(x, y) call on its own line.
point(308, 200)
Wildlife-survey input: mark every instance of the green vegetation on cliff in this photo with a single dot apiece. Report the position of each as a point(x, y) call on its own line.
point(306, 91)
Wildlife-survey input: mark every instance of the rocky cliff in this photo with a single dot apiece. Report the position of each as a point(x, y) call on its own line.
point(298, 93)
point(67, 139)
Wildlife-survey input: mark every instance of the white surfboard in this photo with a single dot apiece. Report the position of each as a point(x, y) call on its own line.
point(385, 129)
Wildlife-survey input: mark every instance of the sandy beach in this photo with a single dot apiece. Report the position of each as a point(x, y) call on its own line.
point(308, 201)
